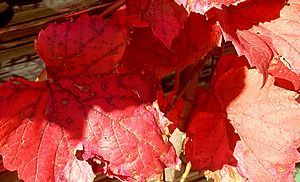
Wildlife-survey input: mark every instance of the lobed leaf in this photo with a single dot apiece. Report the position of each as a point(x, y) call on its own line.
point(89, 45)
point(210, 137)
point(261, 36)
point(83, 109)
point(267, 121)
point(165, 16)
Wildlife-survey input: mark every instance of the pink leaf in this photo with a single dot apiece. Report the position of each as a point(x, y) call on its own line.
point(267, 121)
point(200, 6)
point(261, 36)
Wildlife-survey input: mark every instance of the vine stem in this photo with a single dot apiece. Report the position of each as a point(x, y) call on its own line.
point(116, 5)
point(185, 80)
point(186, 172)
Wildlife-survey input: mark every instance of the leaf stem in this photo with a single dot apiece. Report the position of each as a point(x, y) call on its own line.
point(116, 5)
point(186, 77)
point(186, 172)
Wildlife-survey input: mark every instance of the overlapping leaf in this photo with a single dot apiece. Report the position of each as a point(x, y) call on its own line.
point(129, 141)
point(146, 52)
point(89, 46)
point(211, 141)
point(286, 77)
point(198, 37)
point(176, 114)
point(227, 63)
point(43, 124)
point(261, 36)
point(165, 16)
point(211, 138)
point(38, 139)
point(267, 121)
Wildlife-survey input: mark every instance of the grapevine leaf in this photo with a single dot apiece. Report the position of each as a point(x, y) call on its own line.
point(261, 36)
point(38, 138)
point(90, 45)
point(200, 6)
point(211, 141)
point(225, 64)
point(124, 145)
point(65, 113)
point(267, 121)
point(210, 137)
point(198, 37)
point(146, 52)
point(165, 17)
point(118, 126)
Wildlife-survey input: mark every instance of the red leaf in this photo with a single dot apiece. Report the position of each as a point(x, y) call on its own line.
point(90, 45)
point(176, 114)
point(165, 17)
point(43, 124)
point(267, 121)
point(129, 143)
point(280, 70)
point(259, 36)
point(211, 141)
point(198, 37)
point(200, 6)
point(38, 139)
point(210, 137)
point(66, 113)
point(146, 52)
point(225, 64)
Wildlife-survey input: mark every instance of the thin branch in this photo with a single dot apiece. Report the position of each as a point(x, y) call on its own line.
point(186, 172)
point(185, 82)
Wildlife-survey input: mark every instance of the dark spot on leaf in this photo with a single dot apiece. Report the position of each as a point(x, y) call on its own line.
point(21, 116)
point(104, 86)
point(65, 102)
